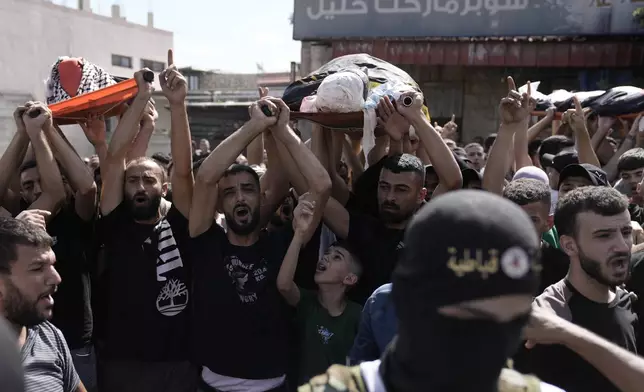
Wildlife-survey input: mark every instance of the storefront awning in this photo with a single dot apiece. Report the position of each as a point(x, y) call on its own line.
point(496, 53)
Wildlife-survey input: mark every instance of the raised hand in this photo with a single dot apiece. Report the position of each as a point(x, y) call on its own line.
point(303, 214)
point(36, 117)
point(414, 109)
point(283, 113)
point(257, 115)
point(450, 129)
point(17, 116)
point(145, 87)
point(515, 108)
point(438, 128)
point(575, 117)
point(263, 92)
point(35, 217)
point(94, 129)
point(390, 120)
point(173, 84)
point(550, 113)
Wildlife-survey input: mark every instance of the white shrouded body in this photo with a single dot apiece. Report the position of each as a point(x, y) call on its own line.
point(341, 92)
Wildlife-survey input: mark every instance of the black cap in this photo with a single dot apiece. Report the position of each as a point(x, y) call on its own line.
point(561, 160)
point(462, 246)
point(596, 175)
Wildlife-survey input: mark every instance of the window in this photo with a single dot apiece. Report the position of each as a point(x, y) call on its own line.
point(121, 61)
point(193, 82)
point(155, 66)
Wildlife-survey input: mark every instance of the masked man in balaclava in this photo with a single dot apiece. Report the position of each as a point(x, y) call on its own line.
point(462, 300)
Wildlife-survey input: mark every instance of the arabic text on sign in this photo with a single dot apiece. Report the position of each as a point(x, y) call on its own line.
point(329, 9)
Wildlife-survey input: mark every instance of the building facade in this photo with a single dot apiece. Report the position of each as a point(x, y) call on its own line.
point(460, 51)
point(34, 33)
point(218, 102)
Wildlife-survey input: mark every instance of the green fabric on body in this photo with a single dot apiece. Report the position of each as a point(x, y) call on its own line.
point(324, 340)
point(552, 237)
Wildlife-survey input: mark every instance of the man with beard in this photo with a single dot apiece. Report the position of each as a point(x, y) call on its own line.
point(462, 300)
point(143, 292)
point(379, 240)
point(595, 232)
point(236, 271)
point(28, 281)
point(400, 193)
point(71, 200)
point(70, 228)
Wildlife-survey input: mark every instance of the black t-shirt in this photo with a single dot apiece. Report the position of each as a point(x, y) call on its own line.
point(72, 304)
point(379, 250)
point(555, 265)
point(240, 320)
point(143, 291)
point(560, 366)
point(378, 247)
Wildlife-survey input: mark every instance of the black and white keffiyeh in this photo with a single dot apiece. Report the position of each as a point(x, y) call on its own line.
point(93, 78)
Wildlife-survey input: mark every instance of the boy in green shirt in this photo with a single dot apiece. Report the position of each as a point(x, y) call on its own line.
point(326, 321)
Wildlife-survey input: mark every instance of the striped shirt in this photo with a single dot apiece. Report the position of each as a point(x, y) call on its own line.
point(47, 362)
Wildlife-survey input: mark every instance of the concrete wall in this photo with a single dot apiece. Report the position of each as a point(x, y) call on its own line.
point(473, 93)
point(313, 56)
point(215, 123)
point(482, 93)
point(34, 33)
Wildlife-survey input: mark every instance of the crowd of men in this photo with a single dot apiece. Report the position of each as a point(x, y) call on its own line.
point(272, 262)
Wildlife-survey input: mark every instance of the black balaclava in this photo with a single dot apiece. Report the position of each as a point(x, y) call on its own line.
point(462, 246)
